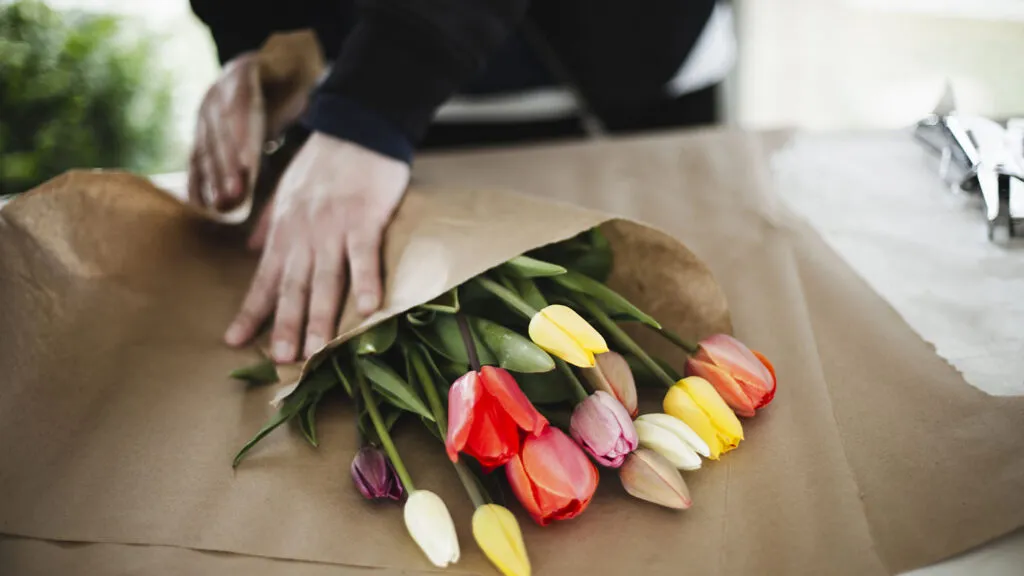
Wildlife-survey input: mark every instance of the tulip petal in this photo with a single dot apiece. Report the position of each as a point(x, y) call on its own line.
point(524, 490)
point(728, 388)
point(430, 525)
point(495, 436)
point(498, 535)
point(554, 340)
point(502, 387)
point(649, 476)
point(722, 417)
point(572, 323)
point(615, 377)
point(557, 465)
point(679, 404)
point(463, 397)
point(664, 442)
point(680, 429)
point(771, 369)
point(735, 358)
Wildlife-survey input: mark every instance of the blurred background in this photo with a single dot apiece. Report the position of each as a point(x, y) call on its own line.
point(116, 83)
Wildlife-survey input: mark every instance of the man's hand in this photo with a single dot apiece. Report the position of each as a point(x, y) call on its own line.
point(229, 135)
point(332, 205)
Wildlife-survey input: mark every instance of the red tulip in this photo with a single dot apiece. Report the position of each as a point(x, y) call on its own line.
point(743, 378)
point(552, 477)
point(486, 412)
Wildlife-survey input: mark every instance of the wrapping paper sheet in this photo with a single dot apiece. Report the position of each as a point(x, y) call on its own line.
point(868, 463)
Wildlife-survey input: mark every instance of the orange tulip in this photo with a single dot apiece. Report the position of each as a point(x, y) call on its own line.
point(743, 378)
point(552, 477)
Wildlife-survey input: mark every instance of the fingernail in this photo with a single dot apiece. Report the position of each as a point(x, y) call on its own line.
point(235, 335)
point(230, 186)
point(366, 303)
point(313, 345)
point(283, 351)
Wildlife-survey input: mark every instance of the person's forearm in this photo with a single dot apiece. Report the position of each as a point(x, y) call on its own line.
point(401, 62)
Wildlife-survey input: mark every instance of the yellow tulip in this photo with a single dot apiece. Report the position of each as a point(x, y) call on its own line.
point(498, 535)
point(561, 331)
point(695, 401)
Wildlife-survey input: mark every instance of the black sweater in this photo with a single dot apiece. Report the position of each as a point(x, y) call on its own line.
point(397, 61)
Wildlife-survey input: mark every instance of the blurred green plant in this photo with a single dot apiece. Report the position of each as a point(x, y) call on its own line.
point(77, 90)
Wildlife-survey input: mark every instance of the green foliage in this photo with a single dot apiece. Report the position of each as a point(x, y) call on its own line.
point(76, 91)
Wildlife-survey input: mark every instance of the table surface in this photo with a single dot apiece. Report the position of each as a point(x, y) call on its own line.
point(875, 197)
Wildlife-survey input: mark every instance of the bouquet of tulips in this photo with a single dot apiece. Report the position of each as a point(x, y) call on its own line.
point(525, 371)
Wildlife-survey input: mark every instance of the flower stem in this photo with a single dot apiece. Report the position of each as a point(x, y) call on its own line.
point(624, 340)
point(577, 387)
point(467, 341)
point(507, 296)
point(434, 400)
point(688, 347)
point(382, 432)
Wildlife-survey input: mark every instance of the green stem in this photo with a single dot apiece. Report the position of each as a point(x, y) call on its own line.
point(688, 347)
point(507, 296)
point(624, 340)
point(434, 400)
point(574, 382)
point(467, 341)
point(383, 434)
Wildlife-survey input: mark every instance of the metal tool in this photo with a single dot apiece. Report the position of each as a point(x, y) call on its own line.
point(979, 156)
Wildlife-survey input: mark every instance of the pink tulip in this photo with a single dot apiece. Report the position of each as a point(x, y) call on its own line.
point(601, 425)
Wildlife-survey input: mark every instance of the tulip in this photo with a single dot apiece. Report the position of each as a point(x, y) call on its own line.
point(430, 525)
point(552, 477)
point(486, 412)
point(374, 475)
point(604, 429)
point(745, 379)
point(673, 439)
point(498, 535)
point(611, 374)
point(694, 401)
point(561, 331)
point(648, 476)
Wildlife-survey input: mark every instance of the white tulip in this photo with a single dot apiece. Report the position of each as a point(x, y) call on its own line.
point(671, 438)
point(431, 526)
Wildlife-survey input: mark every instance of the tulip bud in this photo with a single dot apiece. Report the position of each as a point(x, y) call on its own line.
point(430, 525)
point(673, 439)
point(694, 401)
point(604, 429)
point(498, 535)
point(647, 475)
point(561, 331)
point(611, 374)
point(745, 379)
point(374, 475)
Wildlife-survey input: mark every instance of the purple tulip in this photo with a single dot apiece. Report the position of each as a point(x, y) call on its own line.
point(374, 475)
point(601, 425)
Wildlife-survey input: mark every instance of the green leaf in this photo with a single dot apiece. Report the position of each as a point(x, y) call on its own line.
point(432, 428)
point(307, 422)
point(611, 299)
point(392, 418)
point(444, 337)
point(511, 350)
point(262, 372)
point(420, 317)
point(644, 376)
point(528, 290)
point(392, 387)
point(289, 408)
point(377, 340)
point(596, 261)
point(545, 388)
point(527, 267)
point(447, 303)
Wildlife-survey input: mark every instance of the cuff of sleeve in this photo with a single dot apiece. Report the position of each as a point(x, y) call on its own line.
point(346, 119)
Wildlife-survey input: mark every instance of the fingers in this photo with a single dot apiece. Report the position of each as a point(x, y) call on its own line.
point(222, 150)
point(325, 295)
point(259, 232)
point(196, 173)
point(259, 301)
point(291, 304)
point(364, 261)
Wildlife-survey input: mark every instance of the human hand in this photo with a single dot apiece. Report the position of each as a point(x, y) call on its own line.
point(332, 205)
